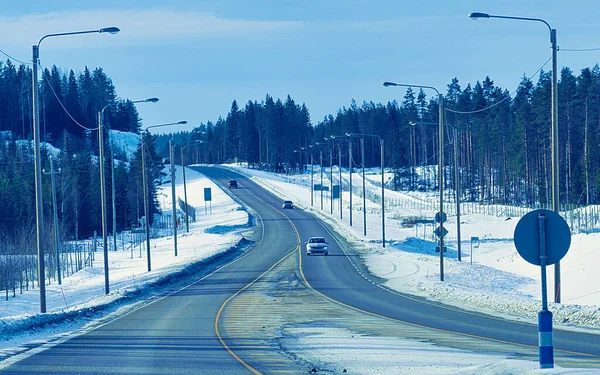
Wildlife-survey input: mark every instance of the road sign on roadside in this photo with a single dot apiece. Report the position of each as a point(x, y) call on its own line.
point(438, 232)
point(442, 216)
point(557, 239)
point(207, 194)
point(335, 192)
point(542, 237)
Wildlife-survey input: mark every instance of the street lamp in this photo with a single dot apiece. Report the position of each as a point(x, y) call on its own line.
point(440, 165)
point(456, 182)
point(320, 167)
point(554, 141)
point(362, 150)
point(39, 215)
point(382, 183)
point(145, 191)
point(334, 138)
point(181, 147)
point(327, 139)
point(101, 122)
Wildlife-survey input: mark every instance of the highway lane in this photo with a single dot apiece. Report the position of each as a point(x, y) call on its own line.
point(336, 277)
point(176, 334)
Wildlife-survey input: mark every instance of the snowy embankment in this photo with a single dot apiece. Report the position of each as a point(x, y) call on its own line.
point(81, 296)
point(496, 280)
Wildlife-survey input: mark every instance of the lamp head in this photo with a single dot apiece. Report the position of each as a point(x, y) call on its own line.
point(110, 30)
point(181, 122)
point(151, 100)
point(478, 15)
point(387, 84)
point(348, 134)
point(412, 123)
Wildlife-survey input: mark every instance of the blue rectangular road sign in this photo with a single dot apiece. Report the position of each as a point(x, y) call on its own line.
point(336, 192)
point(207, 194)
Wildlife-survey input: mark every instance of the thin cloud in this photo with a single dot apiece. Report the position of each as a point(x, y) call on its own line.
point(137, 26)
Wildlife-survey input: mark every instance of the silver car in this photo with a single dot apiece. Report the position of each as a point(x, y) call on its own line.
point(316, 245)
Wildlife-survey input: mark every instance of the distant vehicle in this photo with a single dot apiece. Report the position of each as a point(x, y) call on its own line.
point(233, 184)
point(288, 204)
point(166, 161)
point(316, 245)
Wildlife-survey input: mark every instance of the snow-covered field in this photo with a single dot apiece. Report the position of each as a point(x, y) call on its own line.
point(497, 281)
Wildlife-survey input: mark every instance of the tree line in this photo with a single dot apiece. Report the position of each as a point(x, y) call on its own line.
point(69, 108)
point(503, 138)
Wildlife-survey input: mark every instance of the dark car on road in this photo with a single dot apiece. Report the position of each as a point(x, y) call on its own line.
point(233, 184)
point(288, 204)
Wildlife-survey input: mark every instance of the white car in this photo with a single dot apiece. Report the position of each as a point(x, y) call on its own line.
point(316, 245)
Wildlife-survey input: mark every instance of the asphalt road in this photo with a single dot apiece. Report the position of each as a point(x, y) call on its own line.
point(336, 277)
point(177, 334)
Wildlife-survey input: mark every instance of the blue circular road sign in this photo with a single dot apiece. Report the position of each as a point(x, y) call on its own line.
point(557, 239)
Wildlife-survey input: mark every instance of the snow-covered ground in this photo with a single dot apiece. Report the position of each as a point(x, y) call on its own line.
point(498, 281)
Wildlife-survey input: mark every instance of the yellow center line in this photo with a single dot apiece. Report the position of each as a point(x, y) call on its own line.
point(216, 323)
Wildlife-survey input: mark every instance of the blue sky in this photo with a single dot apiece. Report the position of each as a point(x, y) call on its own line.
point(197, 56)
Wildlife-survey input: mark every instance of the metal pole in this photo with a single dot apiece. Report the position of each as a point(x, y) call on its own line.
point(39, 207)
point(331, 179)
point(457, 192)
point(311, 181)
point(321, 168)
point(340, 171)
point(555, 182)
point(545, 341)
point(382, 197)
point(103, 202)
point(362, 146)
point(441, 181)
point(350, 168)
point(173, 199)
point(114, 199)
point(145, 188)
point(187, 220)
point(54, 209)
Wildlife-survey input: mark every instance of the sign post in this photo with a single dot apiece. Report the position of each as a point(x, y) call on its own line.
point(474, 239)
point(542, 238)
point(207, 198)
point(441, 232)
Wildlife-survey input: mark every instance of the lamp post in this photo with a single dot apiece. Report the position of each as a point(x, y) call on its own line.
point(327, 139)
point(456, 183)
point(101, 122)
point(320, 167)
point(362, 150)
point(381, 150)
point(440, 165)
point(55, 215)
point(145, 190)
point(181, 147)
point(334, 138)
point(39, 214)
point(554, 136)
